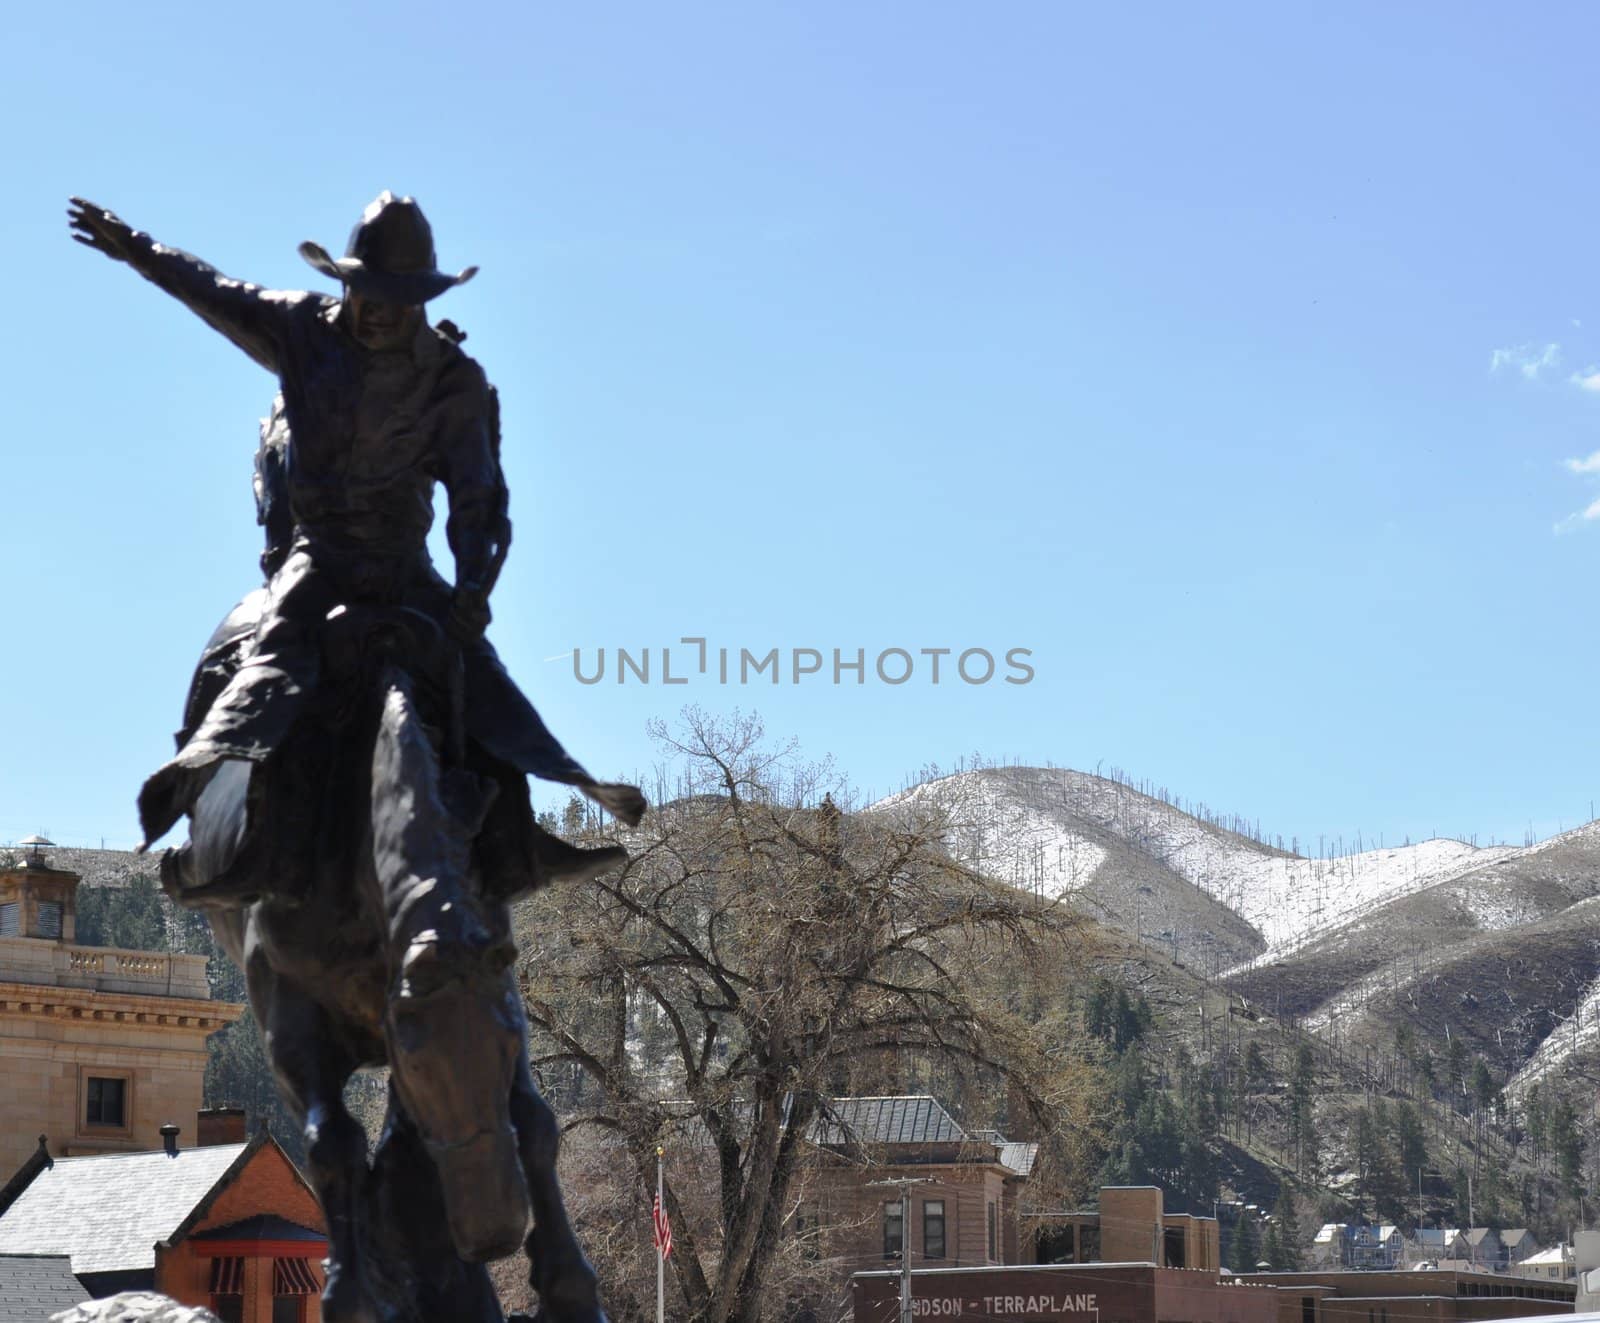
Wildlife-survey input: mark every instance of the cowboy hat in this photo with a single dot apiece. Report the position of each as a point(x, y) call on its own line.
point(390, 256)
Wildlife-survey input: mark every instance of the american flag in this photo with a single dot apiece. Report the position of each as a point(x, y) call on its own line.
point(663, 1236)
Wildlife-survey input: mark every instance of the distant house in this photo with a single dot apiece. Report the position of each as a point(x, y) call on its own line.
point(1357, 1246)
point(233, 1227)
point(1436, 1245)
point(1481, 1247)
point(1520, 1244)
point(1330, 1247)
point(1555, 1263)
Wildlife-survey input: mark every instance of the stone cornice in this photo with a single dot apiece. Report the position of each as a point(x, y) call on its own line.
point(86, 1005)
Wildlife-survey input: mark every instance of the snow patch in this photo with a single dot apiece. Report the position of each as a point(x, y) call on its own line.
point(1023, 825)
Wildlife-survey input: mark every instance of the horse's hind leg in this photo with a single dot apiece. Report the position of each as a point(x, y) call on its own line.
point(560, 1273)
point(312, 1072)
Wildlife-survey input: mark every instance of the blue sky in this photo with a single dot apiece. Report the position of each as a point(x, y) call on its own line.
point(1230, 358)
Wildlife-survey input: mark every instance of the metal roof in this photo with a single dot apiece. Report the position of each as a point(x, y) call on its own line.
point(910, 1119)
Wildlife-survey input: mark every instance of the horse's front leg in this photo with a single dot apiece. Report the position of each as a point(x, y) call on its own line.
point(312, 1073)
point(560, 1273)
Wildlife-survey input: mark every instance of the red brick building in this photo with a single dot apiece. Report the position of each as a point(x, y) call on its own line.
point(1085, 1293)
point(232, 1226)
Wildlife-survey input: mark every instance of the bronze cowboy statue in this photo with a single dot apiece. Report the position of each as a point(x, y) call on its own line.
point(353, 762)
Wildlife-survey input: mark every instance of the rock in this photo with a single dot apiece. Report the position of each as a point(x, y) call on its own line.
point(134, 1307)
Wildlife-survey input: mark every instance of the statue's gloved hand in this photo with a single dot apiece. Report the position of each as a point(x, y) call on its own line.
point(469, 612)
point(100, 229)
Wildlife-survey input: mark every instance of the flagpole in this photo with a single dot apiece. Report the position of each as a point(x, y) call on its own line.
point(661, 1259)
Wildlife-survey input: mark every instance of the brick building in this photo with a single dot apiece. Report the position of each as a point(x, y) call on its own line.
point(964, 1199)
point(1143, 1292)
point(100, 1046)
point(1138, 1292)
point(1130, 1225)
point(1413, 1296)
point(230, 1225)
point(963, 1204)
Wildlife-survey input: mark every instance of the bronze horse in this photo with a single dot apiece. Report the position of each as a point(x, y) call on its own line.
point(468, 1147)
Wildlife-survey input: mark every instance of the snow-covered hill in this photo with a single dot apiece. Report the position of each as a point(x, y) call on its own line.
point(1046, 829)
point(1500, 945)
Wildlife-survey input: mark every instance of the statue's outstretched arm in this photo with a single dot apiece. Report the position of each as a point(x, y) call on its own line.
point(254, 318)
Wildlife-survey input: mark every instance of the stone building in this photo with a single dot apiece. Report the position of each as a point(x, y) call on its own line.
point(100, 1047)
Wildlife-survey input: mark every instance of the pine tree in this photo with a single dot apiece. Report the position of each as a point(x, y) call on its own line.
point(1455, 1071)
point(1271, 1248)
point(1287, 1219)
point(1245, 1251)
point(1368, 1153)
point(1302, 1130)
point(1411, 1141)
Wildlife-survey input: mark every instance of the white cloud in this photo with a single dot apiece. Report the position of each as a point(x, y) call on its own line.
point(1588, 514)
point(1588, 379)
point(1530, 360)
point(1588, 464)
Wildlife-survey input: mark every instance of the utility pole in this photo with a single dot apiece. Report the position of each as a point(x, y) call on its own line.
point(904, 1184)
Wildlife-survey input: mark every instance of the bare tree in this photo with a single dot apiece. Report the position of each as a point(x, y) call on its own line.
point(766, 951)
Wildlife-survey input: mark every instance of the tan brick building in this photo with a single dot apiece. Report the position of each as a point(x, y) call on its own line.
point(98, 1046)
point(1130, 1226)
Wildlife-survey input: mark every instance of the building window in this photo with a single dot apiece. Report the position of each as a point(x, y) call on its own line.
point(894, 1230)
point(808, 1231)
point(106, 1101)
point(994, 1234)
point(292, 1282)
point(49, 912)
point(11, 919)
point(227, 1289)
point(933, 1228)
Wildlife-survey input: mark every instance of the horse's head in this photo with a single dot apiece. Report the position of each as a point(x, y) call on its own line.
point(455, 1044)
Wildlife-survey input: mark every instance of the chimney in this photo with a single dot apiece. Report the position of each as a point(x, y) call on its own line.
point(219, 1125)
point(169, 1139)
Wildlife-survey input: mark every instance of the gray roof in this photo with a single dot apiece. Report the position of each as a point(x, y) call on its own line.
point(107, 1212)
point(35, 1286)
point(910, 1119)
